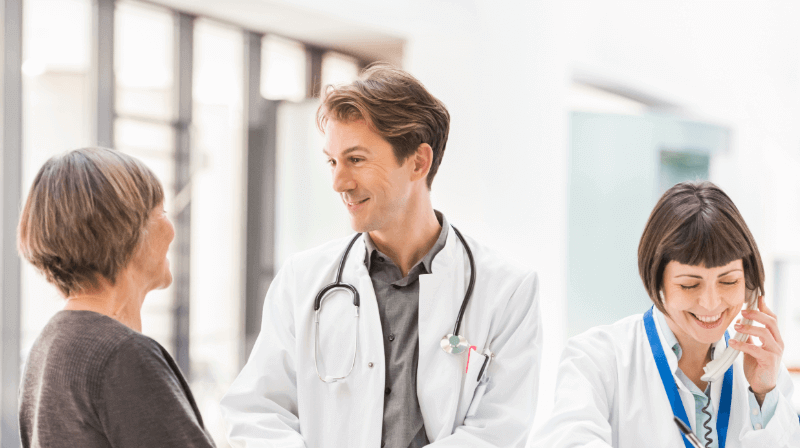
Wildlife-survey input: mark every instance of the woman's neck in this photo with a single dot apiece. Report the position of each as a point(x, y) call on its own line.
point(121, 301)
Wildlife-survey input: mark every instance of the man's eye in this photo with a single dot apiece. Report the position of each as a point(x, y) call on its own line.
point(331, 162)
point(355, 159)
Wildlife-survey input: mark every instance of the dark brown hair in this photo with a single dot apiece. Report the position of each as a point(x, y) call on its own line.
point(696, 223)
point(396, 106)
point(85, 216)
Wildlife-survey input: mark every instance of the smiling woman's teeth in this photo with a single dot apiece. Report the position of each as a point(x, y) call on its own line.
point(707, 319)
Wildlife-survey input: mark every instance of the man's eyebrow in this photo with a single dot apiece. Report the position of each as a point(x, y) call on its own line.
point(348, 150)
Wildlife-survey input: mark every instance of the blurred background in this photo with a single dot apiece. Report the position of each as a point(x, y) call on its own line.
point(569, 119)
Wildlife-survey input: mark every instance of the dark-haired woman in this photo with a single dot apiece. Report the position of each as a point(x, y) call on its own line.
point(621, 385)
point(94, 226)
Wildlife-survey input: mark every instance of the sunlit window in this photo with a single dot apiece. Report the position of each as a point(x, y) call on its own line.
point(283, 69)
point(218, 194)
point(144, 62)
point(338, 69)
point(57, 116)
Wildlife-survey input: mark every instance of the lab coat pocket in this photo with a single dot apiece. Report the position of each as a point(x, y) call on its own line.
point(476, 399)
point(473, 388)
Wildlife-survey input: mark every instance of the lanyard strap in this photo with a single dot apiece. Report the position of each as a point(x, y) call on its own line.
point(671, 388)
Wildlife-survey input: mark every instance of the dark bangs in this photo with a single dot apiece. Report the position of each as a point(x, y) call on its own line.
point(707, 238)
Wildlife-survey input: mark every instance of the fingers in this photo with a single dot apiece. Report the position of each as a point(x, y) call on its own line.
point(766, 337)
point(753, 350)
point(766, 317)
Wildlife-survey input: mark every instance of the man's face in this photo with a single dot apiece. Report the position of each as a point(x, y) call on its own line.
point(374, 187)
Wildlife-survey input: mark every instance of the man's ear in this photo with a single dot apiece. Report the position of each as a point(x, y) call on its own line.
point(422, 160)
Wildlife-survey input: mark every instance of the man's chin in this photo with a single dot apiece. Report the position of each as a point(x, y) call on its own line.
point(361, 225)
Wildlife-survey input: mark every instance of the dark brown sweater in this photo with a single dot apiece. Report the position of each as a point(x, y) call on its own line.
point(90, 381)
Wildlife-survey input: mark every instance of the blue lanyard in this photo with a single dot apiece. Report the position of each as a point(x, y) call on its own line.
point(724, 413)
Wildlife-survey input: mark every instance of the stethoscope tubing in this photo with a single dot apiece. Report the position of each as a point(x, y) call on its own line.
point(471, 285)
point(357, 302)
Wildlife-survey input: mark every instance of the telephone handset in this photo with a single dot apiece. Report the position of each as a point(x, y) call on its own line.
point(717, 367)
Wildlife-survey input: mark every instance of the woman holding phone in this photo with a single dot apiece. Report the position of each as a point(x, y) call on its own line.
point(622, 385)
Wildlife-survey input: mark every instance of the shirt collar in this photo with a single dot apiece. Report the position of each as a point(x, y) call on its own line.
point(672, 341)
point(669, 336)
point(427, 260)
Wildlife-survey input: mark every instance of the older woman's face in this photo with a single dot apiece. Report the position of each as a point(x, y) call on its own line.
point(702, 302)
point(152, 259)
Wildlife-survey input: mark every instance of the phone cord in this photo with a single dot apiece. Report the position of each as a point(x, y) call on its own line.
point(707, 423)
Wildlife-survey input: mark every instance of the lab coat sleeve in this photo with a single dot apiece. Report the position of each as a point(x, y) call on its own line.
point(783, 429)
point(507, 407)
point(260, 408)
point(584, 396)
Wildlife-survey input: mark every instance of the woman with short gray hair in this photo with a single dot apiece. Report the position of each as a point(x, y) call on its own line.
point(94, 225)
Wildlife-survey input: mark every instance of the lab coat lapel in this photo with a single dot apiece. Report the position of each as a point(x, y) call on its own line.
point(370, 350)
point(439, 373)
point(370, 319)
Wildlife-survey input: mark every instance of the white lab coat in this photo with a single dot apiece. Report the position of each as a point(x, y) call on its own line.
point(609, 394)
point(278, 400)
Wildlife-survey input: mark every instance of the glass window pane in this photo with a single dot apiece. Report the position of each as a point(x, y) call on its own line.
point(283, 69)
point(57, 116)
point(144, 137)
point(143, 59)
point(338, 69)
point(218, 193)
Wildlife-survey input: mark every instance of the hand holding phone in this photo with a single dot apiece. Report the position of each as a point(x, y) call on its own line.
point(717, 367)
point(762, 363)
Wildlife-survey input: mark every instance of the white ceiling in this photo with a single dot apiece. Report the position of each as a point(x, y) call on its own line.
point(308, 26)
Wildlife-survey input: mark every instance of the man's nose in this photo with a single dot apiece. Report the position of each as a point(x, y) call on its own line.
point(342, 179)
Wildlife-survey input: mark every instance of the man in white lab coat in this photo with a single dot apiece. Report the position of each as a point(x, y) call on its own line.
point(386, 374)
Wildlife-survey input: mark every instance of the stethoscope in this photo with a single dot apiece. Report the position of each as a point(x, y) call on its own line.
point(452, 343)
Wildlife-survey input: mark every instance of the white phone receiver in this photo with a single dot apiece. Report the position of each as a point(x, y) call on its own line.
point(717, 367)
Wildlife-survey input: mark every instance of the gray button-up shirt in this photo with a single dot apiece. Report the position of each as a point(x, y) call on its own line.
point(398, 305)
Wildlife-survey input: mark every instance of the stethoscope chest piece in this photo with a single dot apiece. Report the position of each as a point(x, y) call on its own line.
point(454, 344)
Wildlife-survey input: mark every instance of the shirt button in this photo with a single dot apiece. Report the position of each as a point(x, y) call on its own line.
point(755, 411)
point(370, 365)
point(388, 390)
point(758, 426)
point(391, 338)
point(396, 286)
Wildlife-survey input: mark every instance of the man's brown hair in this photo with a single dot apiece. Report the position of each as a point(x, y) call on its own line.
point(396, 106)
point(696, 223)
point(85, 216)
